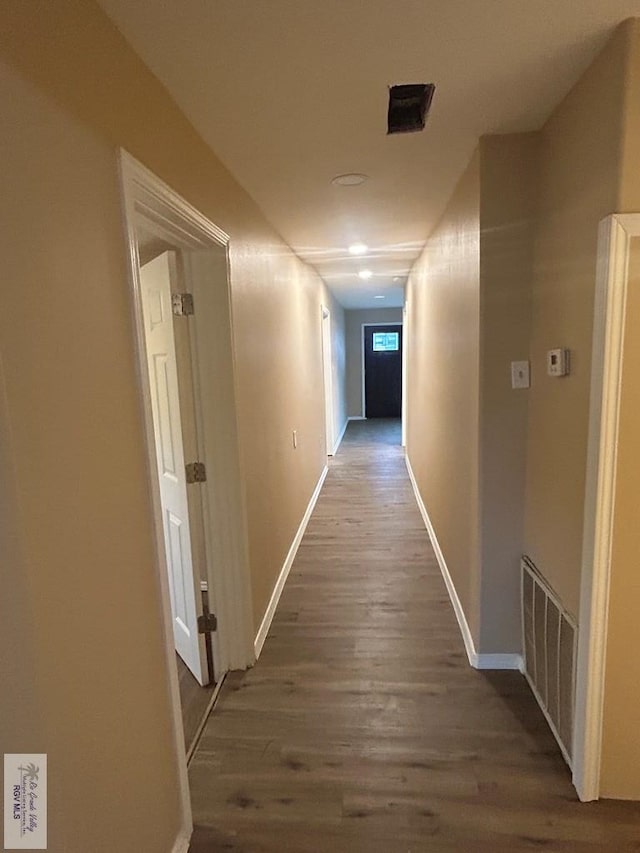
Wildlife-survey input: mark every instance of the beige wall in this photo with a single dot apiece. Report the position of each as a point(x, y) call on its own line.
point(541, 198)
point(21, 726)
point(580, 148)
point(469, 317)
point(443, 302)
point(353, 342)
point(507, 210)
point(81, 538)
point(629, 189)
point(620, 773)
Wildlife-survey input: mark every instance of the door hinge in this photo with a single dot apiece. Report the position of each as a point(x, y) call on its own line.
point(207, 623)
point(196, 472)
point(182, 304)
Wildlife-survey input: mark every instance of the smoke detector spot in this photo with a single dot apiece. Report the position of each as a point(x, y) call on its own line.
point(409, 106)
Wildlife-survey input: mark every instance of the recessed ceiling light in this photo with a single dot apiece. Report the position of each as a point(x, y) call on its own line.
point(350, 179)
point(378, 297)
point(396, 278)
point(365, 273)
point(358, 249)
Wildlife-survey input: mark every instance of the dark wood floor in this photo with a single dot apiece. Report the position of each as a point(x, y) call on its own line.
point(362, 727)
point(194, 701)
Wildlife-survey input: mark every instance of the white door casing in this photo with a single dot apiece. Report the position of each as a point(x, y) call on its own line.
point(151, 205)
point(328, 380)
point(612, 277)
point(184, 587)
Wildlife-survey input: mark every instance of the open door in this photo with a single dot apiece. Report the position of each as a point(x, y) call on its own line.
point(184, 586)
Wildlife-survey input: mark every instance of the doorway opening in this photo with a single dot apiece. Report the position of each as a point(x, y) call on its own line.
point(382, 363)
point(178, 274)
point(170, 359)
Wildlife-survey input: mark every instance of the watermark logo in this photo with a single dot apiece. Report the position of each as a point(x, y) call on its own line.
point(25, 801)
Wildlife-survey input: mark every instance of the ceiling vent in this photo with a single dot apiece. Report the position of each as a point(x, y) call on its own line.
point(409, 106)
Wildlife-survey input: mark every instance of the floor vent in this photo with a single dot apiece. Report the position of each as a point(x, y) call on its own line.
point(549, 643)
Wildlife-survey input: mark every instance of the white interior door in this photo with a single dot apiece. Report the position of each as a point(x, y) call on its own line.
point(184, 587)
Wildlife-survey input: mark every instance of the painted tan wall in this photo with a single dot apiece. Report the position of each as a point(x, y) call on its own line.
point(469, 305)
point(78, 459)
point(580, 151)
point(21, 725)
point(507, 209)
point(586, 168)
point(443, 298)
point(72, 93)
point(620, 772)
point(629, 190)
point(353, 341)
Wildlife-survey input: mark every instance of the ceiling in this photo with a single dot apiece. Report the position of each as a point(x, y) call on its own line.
point(291, 93)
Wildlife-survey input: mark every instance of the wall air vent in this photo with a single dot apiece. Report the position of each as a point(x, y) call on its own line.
point(550, 638)
point(409, 106)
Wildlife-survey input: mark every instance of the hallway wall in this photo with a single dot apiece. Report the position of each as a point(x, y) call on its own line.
point(541, 197)
point(580, 163)
point(353, 341)
point(73, 92)
point(443, 364)
point(467, 434)
point(507, 210)
point(620, 774)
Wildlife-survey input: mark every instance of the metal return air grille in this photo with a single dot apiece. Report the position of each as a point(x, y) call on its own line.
point(549, 643)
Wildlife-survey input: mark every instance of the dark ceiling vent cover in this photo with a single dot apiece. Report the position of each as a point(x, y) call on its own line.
point(409, 106)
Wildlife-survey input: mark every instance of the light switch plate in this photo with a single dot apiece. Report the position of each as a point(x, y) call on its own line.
point(520, 377)
point(558, 362)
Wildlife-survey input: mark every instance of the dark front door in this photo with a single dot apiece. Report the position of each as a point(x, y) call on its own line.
point(383, 371)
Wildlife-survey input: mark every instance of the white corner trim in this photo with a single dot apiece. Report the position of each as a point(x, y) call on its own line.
point(340, 437)
point(477, 661)
point(181, 844)
point(267, 619)
point(614, 239)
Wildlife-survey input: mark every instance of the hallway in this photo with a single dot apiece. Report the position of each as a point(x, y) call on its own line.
point(362, 726)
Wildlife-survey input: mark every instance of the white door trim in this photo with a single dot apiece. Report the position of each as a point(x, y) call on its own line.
point(405, 361)
point(146, 199)
point(327, 375)
point(614, 239)
point(364, 402)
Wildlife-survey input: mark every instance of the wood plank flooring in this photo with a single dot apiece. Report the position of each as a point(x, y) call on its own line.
point(362, 727)
point(194, 700)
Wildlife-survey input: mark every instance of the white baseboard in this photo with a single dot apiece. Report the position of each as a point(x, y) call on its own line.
point(267, 619)
point(181, 844)
point(356, 418)
point(340, 437)
point(477, 661)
